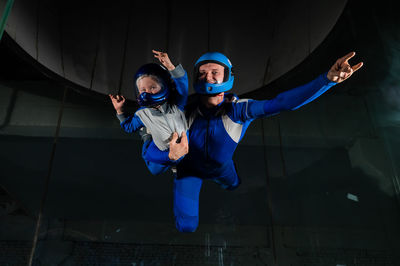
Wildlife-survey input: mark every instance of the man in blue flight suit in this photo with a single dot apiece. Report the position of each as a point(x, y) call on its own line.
point(218, 122)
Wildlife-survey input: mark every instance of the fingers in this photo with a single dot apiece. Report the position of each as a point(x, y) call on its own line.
point(342, 70)
point(343, 60)
point(113, 97)
point(343, 63)
point(117, 98)
point(184, 142)
point(158, 54)
point(347, 57)
point(177, 150)
point(174, 138)
point(357, 67)
point(184, 137)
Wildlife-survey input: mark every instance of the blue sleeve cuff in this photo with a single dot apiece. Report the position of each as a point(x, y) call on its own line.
point(326, 80)
point(165, 157)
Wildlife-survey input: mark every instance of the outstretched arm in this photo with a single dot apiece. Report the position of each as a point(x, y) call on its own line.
point(129, 123)
point(179, 76)
point(297, 97)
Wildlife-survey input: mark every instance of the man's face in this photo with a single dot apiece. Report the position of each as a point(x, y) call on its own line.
point(149, 85)
point(211, 73)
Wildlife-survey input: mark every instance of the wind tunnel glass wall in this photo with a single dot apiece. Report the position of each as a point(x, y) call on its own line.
point(28, 121)
point(317, 187)
point(333, 181)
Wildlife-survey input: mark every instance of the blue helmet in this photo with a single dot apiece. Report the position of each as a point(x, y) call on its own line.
point(202, 86)
point(164, 78)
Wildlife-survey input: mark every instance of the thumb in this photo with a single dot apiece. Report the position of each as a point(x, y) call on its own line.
point(174, 137)
point(184, 137)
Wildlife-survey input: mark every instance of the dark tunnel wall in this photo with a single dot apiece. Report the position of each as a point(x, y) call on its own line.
point(100, 46)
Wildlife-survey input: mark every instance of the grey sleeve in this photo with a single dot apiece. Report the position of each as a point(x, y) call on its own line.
point(178, 72)
point(122, 117)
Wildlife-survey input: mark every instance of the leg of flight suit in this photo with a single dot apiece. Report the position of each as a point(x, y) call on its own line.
point(186, 203)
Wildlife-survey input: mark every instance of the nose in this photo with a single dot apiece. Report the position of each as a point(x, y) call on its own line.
point(209, 77)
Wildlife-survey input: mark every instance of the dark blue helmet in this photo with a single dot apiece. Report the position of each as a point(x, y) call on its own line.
point(202, 86)
point(163, 76)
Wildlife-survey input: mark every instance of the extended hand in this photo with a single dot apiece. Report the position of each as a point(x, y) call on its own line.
point(118, 102)
point(164, 59)
point(177, 150)
point(342, 70)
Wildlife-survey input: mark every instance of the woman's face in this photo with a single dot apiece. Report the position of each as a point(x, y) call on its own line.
point(148, 85)
point(211, 73)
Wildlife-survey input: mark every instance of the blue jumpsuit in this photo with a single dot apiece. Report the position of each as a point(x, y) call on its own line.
point(214, 135)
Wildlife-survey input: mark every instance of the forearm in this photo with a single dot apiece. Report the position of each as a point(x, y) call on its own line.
point(297, 97)
point(182, 85)
point(129, 123)
point(155, 155)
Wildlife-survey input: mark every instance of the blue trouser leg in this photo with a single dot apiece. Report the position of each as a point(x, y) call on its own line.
point(186, 203)
point(228, 177)
point(154, 168)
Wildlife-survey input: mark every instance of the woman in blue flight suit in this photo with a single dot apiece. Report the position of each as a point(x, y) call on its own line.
point(218, 123)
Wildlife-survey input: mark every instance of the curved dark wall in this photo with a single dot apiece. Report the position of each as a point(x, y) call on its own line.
point(100, 46)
